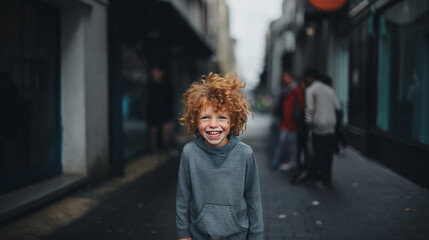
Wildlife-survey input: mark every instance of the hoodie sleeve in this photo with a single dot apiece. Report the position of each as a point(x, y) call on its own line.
point(253, 198)
point(183, 197)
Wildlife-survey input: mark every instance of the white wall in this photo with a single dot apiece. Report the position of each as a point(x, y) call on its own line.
point(84, 88)
point(96, 90)
point(73, 90)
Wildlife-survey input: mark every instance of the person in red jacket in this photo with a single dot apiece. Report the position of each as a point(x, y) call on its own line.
point(289, 111)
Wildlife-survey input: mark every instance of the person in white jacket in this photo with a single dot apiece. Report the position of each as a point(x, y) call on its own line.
point(320, 116)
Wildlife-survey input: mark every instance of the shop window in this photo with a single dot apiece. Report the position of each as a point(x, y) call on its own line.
point(403, 70)
point(29, 101)
point(134, 78)
point(341, 85)
point(358, 75)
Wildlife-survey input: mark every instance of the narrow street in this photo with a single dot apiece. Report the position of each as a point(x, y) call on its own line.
point(364, 201)
point(91, 92)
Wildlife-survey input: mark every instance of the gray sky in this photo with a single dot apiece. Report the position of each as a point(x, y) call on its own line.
point(249, 21)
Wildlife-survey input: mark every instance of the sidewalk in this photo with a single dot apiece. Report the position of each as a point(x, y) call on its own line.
point(364, 201)
point(86, 203)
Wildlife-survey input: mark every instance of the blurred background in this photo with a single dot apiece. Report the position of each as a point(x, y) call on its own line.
point(74, 76)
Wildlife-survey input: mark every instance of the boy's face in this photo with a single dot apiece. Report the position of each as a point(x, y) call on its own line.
point(214, 127)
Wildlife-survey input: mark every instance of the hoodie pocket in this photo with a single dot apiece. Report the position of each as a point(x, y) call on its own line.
point(218, 221)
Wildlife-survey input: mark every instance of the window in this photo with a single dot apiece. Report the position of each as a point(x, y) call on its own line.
point(341, 73)
point(358, 74)
point(29, 101)
point(403, 70)
point(134, 78)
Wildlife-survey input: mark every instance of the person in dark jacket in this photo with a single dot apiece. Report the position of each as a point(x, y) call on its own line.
point(158, 109)
point(302, 156)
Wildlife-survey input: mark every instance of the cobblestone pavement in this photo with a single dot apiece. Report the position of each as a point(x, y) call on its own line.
point(364, 201)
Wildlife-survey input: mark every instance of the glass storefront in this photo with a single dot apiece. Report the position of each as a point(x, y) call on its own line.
point(134, 78)
point(29, 93)
point(403, 70)
point(341, 73)
point(358, 74)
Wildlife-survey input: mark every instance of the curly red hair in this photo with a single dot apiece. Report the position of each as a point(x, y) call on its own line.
point(222, 93)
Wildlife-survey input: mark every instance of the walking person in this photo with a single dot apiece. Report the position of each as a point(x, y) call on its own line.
point(289, 109)
point(158, 110)
point(340, 138)
point(302, 157)
point(321, 105)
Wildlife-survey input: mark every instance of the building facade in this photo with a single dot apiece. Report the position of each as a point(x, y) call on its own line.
point(377, 54)
point(218, 27)
point(182, 36)
point(73, 74)
point(53, 67)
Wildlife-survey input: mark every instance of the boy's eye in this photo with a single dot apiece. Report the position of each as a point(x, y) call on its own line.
point(204, 117)
point(223, 117)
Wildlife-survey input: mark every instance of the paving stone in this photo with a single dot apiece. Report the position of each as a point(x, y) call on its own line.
point(307, 235)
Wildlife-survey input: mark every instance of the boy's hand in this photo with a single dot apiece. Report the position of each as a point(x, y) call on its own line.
point(185, 239)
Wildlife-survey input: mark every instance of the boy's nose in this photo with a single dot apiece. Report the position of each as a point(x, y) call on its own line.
point(213, 123)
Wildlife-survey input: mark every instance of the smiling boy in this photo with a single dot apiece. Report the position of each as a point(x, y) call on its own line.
point(214, 127)
point(218, 195)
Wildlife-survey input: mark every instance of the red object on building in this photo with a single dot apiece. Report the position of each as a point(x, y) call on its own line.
point(327, 5)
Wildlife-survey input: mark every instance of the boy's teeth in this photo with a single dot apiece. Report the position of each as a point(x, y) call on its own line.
point(213, 133)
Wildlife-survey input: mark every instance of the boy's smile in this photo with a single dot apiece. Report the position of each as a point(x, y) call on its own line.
point(214, 127)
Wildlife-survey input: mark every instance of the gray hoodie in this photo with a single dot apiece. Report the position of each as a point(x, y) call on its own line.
point(218, 194)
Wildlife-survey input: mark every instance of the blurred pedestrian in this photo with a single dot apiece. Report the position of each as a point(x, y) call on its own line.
point(301, 173)
point(158, 110)
point(218, 186)
point(289, 109)
point(321, 104)
point(340, 136)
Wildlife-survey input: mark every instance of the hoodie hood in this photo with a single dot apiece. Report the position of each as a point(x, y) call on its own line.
point(218, 155)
